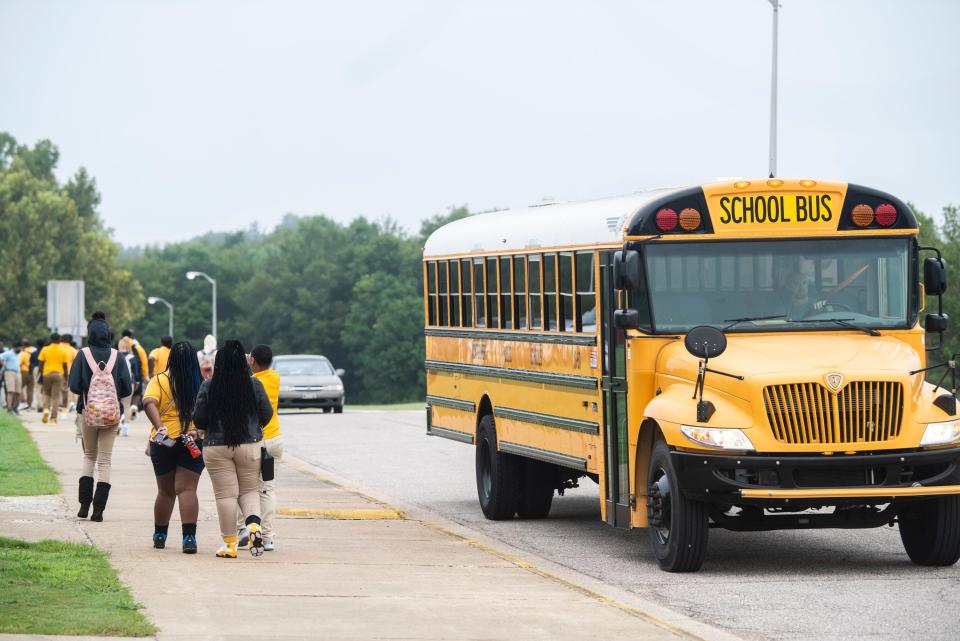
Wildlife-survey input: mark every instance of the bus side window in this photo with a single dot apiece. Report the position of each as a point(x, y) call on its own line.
point(466, 286)
point(506, 309)
point(454, 293)
point(565, 268)
point(442, 318)
point(493, 316)
point(431, 293)
point(550, 291)
point(519, 292)
point(533, 281)
point(478, 298)
point(586, 294)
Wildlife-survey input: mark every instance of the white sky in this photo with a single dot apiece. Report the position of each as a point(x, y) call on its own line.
point(197, 116)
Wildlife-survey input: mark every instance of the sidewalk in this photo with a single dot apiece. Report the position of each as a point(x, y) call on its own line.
point(346, 566)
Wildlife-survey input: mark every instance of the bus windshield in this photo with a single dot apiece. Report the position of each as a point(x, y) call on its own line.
point(862, 281)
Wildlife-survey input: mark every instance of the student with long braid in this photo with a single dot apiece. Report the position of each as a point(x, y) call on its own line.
point(168, 402)
point(232, 408)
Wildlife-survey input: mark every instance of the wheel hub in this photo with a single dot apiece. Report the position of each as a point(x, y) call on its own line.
point(658, 505)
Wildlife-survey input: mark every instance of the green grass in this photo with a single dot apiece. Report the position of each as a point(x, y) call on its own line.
point(54, 587)
point(22, 471)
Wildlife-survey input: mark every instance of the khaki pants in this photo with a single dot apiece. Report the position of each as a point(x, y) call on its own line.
point(235, 475)
point(268, 495)
point(52, 384)
point(28, 385)
point(97, 450)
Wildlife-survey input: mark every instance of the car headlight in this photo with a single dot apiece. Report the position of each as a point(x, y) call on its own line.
point(941, 433)
point(724, 438)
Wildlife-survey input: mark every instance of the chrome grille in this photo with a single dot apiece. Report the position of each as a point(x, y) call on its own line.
point(807, 413)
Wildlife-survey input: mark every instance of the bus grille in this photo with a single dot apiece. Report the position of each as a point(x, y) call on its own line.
point(863, 412)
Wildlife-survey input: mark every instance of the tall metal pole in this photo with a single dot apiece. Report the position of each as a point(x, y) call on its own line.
point(156, 299)
point(773, 93)
point(214, 283)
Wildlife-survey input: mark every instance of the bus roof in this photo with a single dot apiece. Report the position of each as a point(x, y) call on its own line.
point(587, 222)
point(761, 208)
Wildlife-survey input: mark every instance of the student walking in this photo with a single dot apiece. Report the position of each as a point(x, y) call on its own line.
point(54, 372)
point(141, 353)
point(260, 359)
point(157, 361)
point(67, 400)
point(233, 407)
point(132, 363)
point(35, 368)
point(27, 382)
point(174, 445)
point(100, 380)
point(10, 359)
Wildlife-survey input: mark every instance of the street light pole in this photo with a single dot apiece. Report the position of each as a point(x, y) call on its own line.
point(153, 300)
point(773, 92)
point(191, 276)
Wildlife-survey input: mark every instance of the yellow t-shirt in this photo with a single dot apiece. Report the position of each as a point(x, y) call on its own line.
point(160, 356)
point(25, 359)
point(159, 389)
point(271, 383)
point(71, 353)
point(54, 358)
point(142, 356)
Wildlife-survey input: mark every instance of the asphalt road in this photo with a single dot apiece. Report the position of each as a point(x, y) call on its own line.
point(814, 585)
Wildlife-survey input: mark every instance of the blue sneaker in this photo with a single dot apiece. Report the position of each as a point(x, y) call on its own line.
point(189, 544)
point(159, 540)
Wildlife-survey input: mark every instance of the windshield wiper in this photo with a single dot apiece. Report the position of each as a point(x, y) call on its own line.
point(844, 322)
point(735, 321)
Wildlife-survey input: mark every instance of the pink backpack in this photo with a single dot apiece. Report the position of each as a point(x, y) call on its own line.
point(101, 408)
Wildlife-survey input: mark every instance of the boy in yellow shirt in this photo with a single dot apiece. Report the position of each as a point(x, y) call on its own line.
point(53, 363)
point(157, 361)
point(260, 359)
point(26, 376)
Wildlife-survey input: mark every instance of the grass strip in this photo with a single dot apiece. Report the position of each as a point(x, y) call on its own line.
point(52, 587)
point(23, 472)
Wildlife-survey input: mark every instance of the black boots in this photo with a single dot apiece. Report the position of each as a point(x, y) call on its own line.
point(100, 501)
point(86, 495)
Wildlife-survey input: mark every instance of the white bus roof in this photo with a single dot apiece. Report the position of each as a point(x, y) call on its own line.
point(551, 225)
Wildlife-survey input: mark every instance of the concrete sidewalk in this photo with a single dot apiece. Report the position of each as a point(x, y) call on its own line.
point(346, 565)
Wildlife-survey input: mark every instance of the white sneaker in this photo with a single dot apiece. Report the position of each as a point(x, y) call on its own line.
point(124, 428)
point(268, 545)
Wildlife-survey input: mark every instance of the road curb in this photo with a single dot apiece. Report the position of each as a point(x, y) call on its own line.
point(586, 585)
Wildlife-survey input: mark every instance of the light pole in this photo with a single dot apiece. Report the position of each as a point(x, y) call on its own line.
point(191, 276)
point(153, 300)
point(773, 92)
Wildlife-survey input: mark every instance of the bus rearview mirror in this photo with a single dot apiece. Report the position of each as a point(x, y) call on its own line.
point(626, 269)
point(936, 323)
point(934, 276)
point(626, 319)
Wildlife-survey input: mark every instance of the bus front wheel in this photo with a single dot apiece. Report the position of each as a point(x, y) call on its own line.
point(498, 474)
point(930, 530)
point(678, 527)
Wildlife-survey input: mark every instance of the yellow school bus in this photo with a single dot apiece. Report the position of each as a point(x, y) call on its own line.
point(745, 355)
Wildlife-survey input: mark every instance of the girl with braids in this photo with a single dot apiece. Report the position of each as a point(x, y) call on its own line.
point(168, 402)
point(232, 407)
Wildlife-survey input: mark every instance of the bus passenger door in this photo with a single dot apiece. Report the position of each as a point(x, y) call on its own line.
point(614, 391)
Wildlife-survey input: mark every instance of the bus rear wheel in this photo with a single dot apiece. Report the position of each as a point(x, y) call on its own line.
point(538, 480)
point(930, 530)
point(498, 475)
point(678, 527)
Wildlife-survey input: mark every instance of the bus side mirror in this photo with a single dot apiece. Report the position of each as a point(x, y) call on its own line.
point(934, 276)
point(626, 319)
point(626, 269)
point(936, 323)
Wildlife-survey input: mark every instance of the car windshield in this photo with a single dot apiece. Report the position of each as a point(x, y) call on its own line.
point(775, 283)
point(303, 367)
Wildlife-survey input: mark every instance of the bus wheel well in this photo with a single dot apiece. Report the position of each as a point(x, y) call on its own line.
point(649, 434)
point(485, 408)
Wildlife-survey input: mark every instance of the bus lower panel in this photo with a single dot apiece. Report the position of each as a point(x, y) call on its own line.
point(847, 517)
point(718, 478)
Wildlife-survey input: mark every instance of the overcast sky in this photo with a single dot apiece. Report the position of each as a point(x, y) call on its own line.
point(197, 116)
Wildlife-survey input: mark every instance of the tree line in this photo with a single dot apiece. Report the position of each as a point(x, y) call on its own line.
point(351, 292)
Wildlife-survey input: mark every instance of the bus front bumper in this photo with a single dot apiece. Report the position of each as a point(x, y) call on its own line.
point(818, 480)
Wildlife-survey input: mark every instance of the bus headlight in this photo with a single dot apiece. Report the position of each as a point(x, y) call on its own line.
point(941, 433)
point(723, 438)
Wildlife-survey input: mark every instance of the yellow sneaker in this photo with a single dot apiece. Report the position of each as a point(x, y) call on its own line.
point(256, 539)
point(53, 421)
point(229, 548)
point(46, 416)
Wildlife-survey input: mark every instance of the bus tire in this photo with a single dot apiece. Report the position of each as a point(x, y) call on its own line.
point(930, 530)
point(678, 527)
point(498, 474)
point(538, 480)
